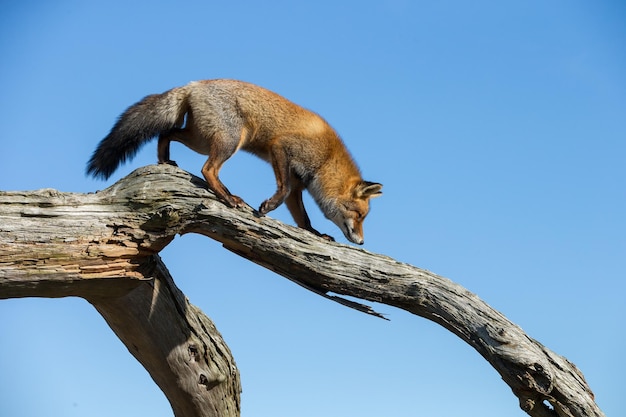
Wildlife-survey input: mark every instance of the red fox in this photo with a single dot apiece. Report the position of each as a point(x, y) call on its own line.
point(219, 117)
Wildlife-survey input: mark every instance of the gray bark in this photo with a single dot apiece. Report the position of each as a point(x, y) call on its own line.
point(104, 247)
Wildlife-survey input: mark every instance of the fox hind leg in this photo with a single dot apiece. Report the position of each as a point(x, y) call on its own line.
point(163, 149)
point(219, 143)
point(210, 171)
point(219, 151)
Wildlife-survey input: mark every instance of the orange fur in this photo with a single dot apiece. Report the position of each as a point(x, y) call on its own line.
point(219, 117)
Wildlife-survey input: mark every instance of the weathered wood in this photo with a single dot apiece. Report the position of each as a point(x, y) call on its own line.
point(57, 244)
point(189, 360)
point(103, 247)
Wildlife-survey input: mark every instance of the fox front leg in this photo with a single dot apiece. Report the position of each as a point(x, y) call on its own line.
point(298, 212)
point(280, 164)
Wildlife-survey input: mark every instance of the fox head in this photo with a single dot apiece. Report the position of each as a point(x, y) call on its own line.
point(348, 211)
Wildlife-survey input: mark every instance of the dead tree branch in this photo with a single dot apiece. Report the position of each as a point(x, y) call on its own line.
point(104, 247)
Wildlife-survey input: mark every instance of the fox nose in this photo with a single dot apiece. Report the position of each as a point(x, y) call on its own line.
point(358, 240)
point(354, 238)
point(350, 233)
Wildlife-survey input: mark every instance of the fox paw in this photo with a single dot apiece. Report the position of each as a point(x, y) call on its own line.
point(169, 162)
point(266, 207)
point(236, 202)
point(327, 237)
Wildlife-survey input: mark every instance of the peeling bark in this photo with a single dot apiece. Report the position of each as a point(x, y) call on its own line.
point(104, 247)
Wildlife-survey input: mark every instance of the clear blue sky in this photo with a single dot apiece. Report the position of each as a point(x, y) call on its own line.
point(497, 128)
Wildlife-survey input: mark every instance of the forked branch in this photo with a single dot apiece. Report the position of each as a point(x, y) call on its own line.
point(104, 246)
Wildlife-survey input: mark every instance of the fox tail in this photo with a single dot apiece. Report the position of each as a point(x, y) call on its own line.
point(153, 115)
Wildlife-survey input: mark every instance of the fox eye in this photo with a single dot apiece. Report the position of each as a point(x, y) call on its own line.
point(352, 209)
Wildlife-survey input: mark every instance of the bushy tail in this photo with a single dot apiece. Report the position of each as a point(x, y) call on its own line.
point(155, 114)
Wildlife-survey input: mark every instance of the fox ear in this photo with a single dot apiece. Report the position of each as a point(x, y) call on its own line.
point(368, 189)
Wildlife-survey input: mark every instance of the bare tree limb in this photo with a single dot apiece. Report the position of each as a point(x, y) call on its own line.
point(104, 246)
